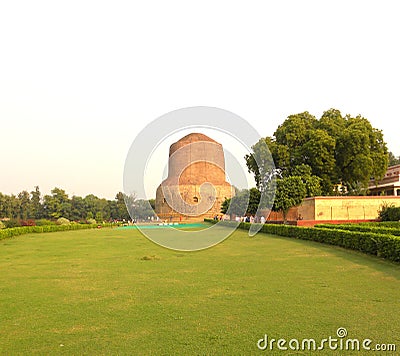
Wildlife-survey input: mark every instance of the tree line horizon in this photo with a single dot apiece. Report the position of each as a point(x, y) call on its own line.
point(33, 205)
point(313, 157)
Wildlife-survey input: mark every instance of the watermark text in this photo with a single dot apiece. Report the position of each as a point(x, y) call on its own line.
point(340, 342)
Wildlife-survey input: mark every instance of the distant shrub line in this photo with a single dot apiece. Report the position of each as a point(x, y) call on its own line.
point(378, 244)
point(16, 231)
point(40, 222)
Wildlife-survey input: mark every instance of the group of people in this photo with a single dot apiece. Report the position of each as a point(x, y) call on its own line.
point(251, 219)
point(247, 218)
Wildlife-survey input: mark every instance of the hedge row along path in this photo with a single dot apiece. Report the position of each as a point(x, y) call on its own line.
point(383, 245)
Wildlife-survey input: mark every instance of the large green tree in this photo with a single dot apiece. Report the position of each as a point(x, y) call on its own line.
point(122, 201)
point(57, 204)
point(15, 206)
point(25, 206)
point(360, 153)
point(340, 150)
point(36, 204)
point(78, 209)
point(7, 204)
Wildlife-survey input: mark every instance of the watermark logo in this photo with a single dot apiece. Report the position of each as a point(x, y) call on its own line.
point(159, 166)
point(340, 342)
point(341, 332)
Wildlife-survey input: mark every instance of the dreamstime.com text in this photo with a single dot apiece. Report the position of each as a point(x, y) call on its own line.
point(339, 343)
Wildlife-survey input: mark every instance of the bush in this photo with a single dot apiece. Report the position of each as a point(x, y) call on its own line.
point(91, 221)
point(47, 228)
point(16, 231)
point(44, 222)
point(2, 226)
point(378, 244)
point(28, 222)
point(12, 223)
point(389, 213)
point(63, 221)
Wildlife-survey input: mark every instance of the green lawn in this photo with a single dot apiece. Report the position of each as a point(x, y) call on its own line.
point(111, 291)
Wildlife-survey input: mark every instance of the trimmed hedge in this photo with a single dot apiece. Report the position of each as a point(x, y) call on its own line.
point(381, 245)
point(362, 228)
point(16, 231)
point(393, 224)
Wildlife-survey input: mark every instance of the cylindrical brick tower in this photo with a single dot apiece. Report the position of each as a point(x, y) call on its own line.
point(196, 184)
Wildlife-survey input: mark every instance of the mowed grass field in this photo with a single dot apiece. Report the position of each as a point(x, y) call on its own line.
point(111, 291)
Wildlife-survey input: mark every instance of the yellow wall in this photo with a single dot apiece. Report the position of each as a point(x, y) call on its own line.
point(344, 208)
point(306, 211)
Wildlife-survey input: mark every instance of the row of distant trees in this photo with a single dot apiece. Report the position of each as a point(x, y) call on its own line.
point(332, 155)
point(33, 205)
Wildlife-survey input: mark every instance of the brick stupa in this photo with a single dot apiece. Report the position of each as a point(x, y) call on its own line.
point(196, 184)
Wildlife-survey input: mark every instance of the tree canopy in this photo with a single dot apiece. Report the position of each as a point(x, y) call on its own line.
point(58, 204)
point(338, 149)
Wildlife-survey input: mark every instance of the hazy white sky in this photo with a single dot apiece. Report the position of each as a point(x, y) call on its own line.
point(80, 79)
